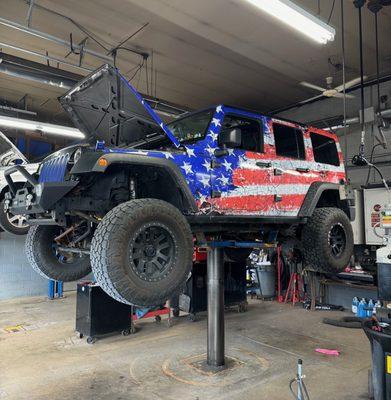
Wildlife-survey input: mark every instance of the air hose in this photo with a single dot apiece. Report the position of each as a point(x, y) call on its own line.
point(345, 322)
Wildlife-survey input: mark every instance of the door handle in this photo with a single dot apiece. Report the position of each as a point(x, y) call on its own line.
point(263, 164)
point(300, 169)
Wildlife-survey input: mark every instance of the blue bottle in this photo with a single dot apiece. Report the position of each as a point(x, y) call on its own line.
point(354, 305)
point(370, 308)
point(361, 311)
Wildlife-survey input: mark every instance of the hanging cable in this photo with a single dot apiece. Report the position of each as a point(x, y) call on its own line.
point(359, 159)
point(121, 44)
point(146, 75)
point(361, 151)
point(151, 71)
point(91, 35)
point(331, 12)
point(371, 161)
point(344, 87)
point(377, 63)
point(137, 70)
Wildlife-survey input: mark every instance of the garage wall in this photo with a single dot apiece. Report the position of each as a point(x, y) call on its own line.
point(17, 278)
point(329, 108)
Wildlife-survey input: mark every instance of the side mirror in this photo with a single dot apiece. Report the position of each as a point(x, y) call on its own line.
point(231, 138)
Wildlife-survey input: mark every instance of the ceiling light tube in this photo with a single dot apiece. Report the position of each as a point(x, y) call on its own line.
point(43, 127)
point(335, 128)
point(298, 18)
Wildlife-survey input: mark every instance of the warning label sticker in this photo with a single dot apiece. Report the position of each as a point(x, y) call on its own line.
point(388, 364)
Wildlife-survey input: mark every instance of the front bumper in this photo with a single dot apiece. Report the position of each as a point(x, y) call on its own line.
point(36, 197)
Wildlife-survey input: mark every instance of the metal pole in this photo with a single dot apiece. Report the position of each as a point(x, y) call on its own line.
point(60, 288)
point(51, 289)
point(299, 379)
point(54, 39)
point(215, 277)
point(44, 56)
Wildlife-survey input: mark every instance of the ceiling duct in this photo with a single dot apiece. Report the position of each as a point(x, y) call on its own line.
point(37, 72)
point(25, 69)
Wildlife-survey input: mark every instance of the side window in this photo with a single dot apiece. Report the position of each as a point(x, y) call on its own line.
point(325, 149)
point(289, 141)
point(252, 137)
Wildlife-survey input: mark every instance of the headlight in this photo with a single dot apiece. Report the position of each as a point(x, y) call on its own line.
point(77, 154)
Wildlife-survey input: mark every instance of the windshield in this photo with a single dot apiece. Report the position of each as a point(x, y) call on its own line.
point(191, 128)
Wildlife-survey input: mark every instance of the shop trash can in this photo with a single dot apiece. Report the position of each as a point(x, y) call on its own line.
point(381, 361)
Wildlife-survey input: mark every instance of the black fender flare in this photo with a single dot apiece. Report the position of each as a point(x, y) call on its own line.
point(313, 195)
point(90, 162)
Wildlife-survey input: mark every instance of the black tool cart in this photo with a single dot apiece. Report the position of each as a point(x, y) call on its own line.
point(99, 314)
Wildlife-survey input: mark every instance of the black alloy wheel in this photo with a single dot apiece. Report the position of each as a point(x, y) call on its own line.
point(337, 240)
point(152, 252)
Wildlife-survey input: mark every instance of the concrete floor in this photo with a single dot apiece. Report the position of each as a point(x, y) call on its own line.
point(45, 359)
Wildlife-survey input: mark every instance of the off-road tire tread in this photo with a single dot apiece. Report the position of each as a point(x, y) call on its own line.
point(29, 249)
point(315, 252)
point(104, 249)
point(50, 271)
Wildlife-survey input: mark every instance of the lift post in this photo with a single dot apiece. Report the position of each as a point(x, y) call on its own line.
point(215, 289)
point(215, 285)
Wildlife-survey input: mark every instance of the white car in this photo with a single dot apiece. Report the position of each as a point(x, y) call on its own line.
point(9, 156)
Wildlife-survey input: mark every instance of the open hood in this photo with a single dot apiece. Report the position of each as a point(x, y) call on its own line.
point(9, 153)
point(106, 107)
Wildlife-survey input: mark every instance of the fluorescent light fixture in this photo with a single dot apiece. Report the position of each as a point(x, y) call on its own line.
point(43, 127)
point(298, 18)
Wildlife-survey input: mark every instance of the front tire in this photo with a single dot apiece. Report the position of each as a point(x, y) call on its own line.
point(41, 254)
point(141, 252)
point(327, 240)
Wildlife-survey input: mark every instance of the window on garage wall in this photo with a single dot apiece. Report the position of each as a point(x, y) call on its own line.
point(34, 149)
point(325, 149)
point(289, 141)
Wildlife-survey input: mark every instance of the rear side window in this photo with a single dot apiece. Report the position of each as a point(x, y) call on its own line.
point(325, 149)
point(289, 141)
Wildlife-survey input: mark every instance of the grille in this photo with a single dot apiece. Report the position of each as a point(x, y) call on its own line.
point(53, 170)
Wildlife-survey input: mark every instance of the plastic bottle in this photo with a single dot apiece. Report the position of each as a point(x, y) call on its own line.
point(377, 305)
point(354, 305)
point(370, 308)
point(361, 311)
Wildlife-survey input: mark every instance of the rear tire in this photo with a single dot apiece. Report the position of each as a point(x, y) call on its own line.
point(15, 224)
point(43, 258)
point(327, 240)
point(141, 252)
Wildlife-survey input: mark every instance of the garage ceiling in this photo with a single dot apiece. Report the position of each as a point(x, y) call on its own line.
point(204, 52)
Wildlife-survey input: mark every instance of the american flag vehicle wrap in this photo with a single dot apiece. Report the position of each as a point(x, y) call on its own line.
point(235, 184)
